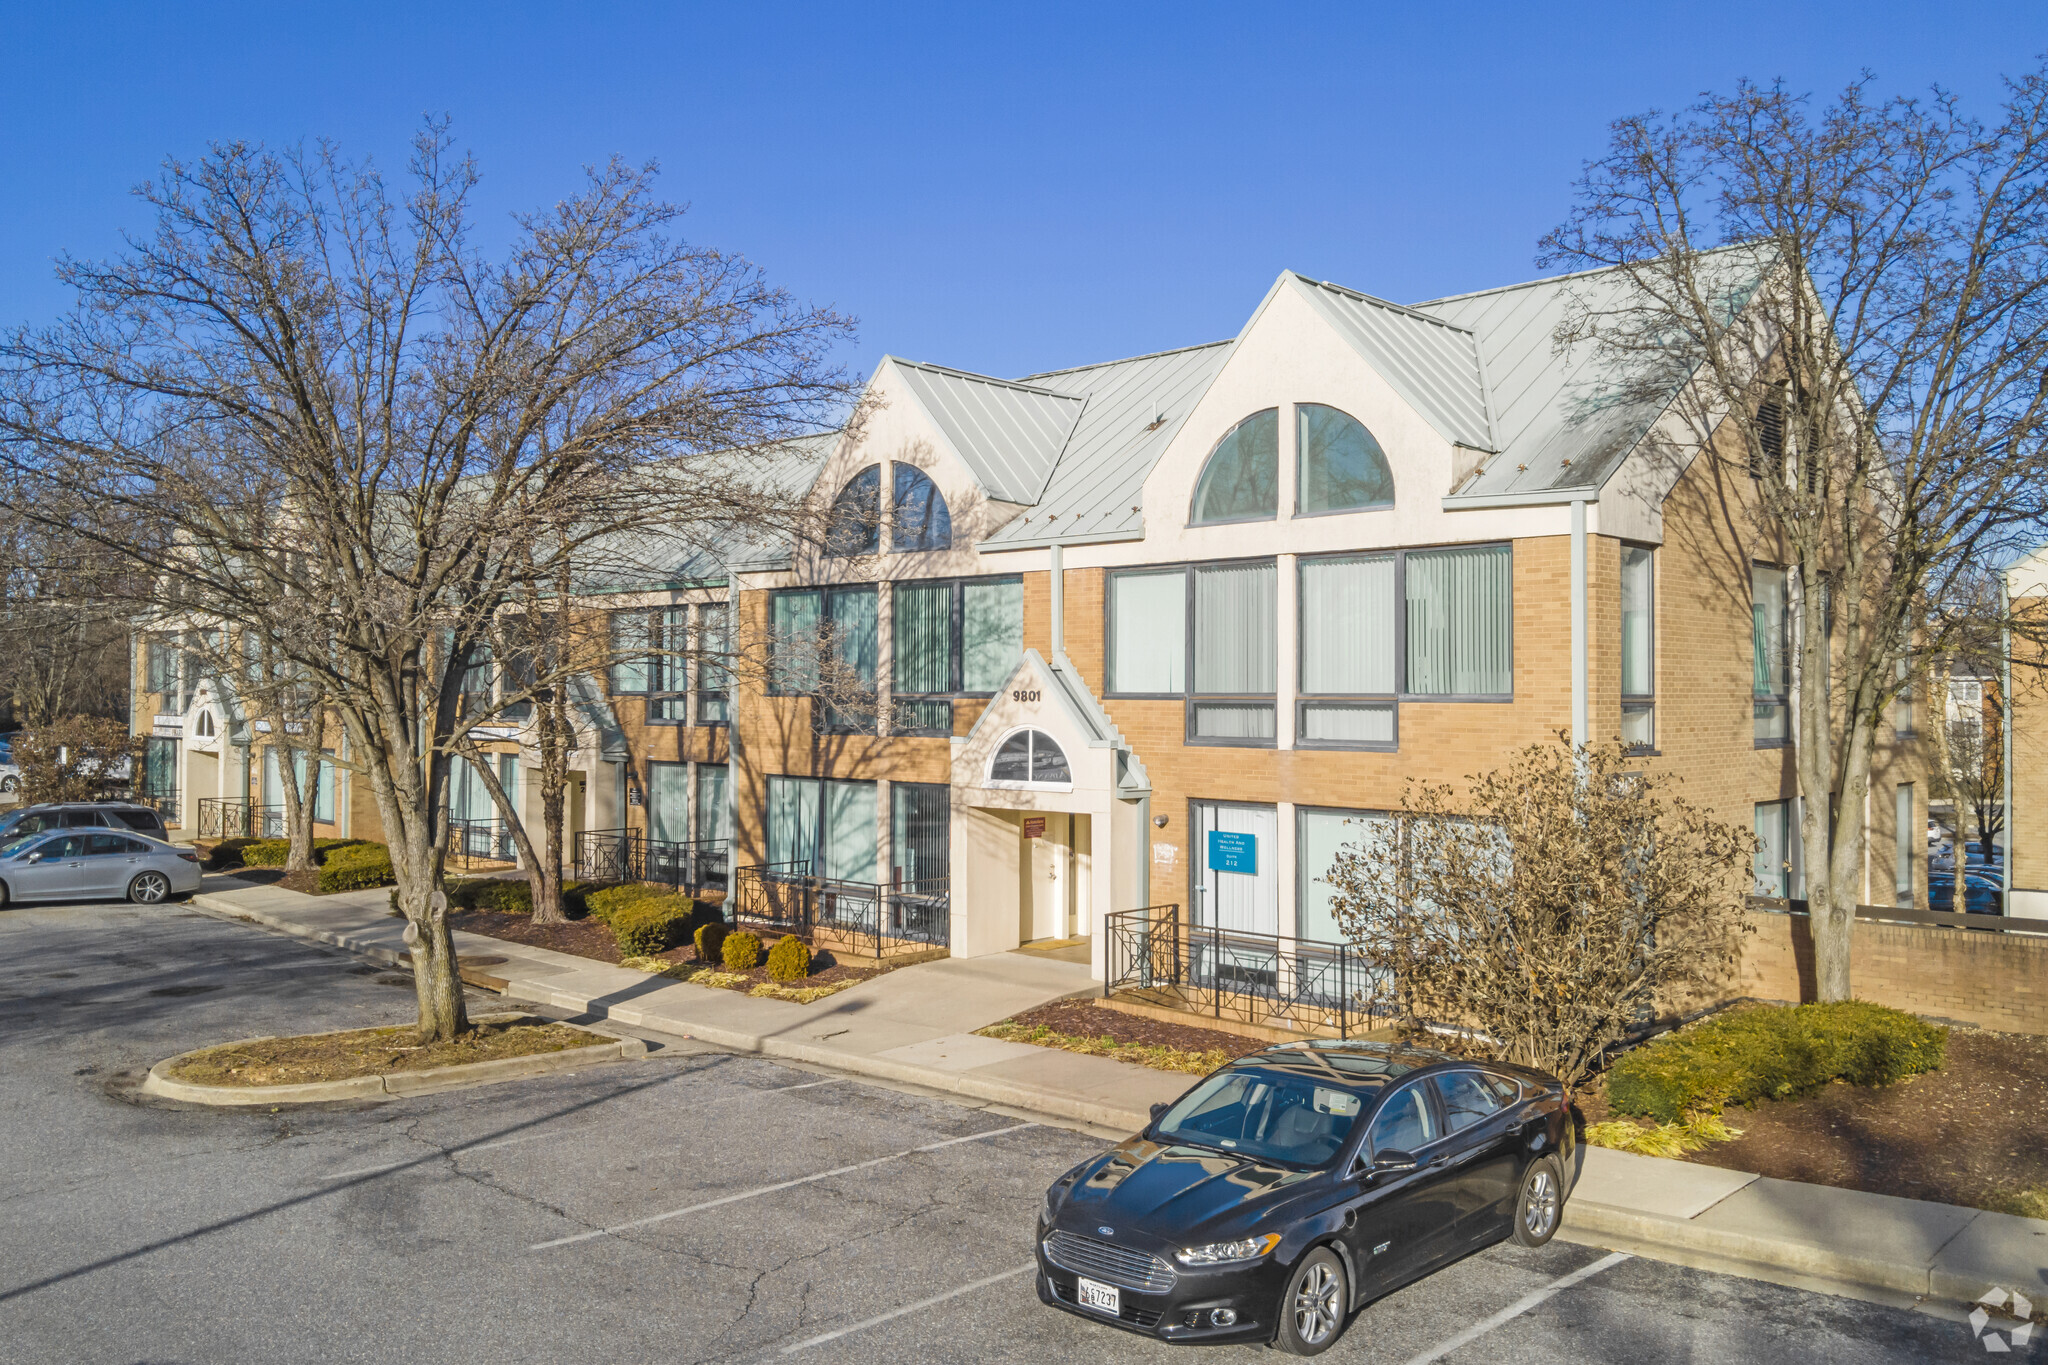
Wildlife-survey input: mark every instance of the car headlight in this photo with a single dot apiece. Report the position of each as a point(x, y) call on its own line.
point(1221, 1253)
point(1045, 1214)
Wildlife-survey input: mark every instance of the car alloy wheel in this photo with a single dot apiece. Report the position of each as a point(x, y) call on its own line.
point(1542, 1202)
point(1313, 1309)
point(149, 888)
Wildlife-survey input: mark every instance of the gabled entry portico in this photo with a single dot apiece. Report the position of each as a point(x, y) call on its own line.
point(1049, 816)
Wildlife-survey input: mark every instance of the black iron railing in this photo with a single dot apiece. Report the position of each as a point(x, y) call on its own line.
point(163, 800)
point(471, 842)
point(628, 855)
point(226, 818)
point(872, 916)
point(1154, 955)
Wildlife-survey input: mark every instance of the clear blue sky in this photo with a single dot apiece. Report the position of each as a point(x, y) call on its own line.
point(1002, 189)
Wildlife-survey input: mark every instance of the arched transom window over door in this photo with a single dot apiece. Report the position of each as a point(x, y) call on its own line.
point(1241, 481)
point(1341, 468)
point(1029, 758)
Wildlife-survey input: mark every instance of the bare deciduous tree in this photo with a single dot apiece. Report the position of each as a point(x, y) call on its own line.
point(338, 411)
point(1854, 300)
point(1547, 909)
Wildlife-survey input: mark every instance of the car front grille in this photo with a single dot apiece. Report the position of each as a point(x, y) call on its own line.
point(1108, 1262)
point(1141, 1317)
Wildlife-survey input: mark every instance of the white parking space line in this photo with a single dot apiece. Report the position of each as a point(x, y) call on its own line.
point(1518, 1307)
point(771, 1189)
point(919, 1306)
point(368, 1170)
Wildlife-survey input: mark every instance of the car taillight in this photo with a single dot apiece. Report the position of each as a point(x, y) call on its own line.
point(189, 857)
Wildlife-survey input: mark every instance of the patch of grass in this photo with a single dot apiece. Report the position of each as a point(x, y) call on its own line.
point(1661, 1139)
point(370, 1052)
point(1144, 1054)
point(2031, 1202)
point(1772, 1053)
point(802, 995)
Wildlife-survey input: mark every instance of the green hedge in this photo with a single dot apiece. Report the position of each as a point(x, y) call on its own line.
point(228, 853)
point(1775, 1053)
point(510, 895)
point(356, 867)
point(602, 905)
point(742, 951)
point(274, 852)
point(652, 924)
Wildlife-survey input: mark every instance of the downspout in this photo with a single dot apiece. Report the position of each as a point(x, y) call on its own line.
point(2005, 739)
point(1059, 603)
point(1581, 722)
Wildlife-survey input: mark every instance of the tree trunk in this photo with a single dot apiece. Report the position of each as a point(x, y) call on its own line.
point(299, 812)
point(552, 722)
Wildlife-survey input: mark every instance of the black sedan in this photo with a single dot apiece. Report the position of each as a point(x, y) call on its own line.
point(1295, 1185)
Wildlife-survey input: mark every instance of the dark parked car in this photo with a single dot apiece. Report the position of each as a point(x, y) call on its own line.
point(1290, 1188)
point(82, 815)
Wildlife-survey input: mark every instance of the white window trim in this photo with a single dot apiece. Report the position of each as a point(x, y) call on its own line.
point(988, 778)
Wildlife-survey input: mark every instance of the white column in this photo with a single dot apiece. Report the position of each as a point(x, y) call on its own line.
point(1288, 610)
point(1581, 720)
point(1284, 868)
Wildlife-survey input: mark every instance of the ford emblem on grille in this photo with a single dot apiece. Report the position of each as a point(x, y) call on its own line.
point(1107, 1232)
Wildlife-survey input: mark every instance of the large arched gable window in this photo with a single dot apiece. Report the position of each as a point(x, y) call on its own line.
point(1339, 466)
point(1029, 758)
point(855, 526)
point(920, 520)
point(1241, 481)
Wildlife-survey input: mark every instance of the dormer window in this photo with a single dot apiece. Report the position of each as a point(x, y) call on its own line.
point(1241, 481)
point(1030, 758)
point(856, 524)
point(1340, 467)
point(920, 520)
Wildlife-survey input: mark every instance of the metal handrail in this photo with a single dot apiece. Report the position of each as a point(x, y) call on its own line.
point(628, 855)
point(1155, 955)
point(225, 817)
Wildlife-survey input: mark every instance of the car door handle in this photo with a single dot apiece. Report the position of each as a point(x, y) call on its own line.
point(1437, 1161)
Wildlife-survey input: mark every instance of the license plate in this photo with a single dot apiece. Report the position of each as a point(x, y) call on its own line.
point(1101, 1297)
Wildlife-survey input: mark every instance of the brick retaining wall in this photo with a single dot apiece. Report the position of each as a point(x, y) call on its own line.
point(1995, 981)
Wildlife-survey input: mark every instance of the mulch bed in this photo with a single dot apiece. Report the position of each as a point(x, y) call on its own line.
point(593, 939)
point(1095, 1021)
point(370, 1052)
point(1969, 1134)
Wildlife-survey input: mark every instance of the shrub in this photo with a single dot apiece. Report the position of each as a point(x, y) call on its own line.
point(1774, 1053)
point(354, 867)
point(789, 960)
point(741, 950)
point(651, 924)
point(602, 905)
point(227, 853)
point(266, 852)
point(711, 941)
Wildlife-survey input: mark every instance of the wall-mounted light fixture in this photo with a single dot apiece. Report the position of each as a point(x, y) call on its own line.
point(1159, 822)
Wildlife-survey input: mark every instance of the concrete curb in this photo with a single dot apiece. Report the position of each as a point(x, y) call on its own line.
point(1632, 1230)
point(394, 1086)
point(1010, 1094)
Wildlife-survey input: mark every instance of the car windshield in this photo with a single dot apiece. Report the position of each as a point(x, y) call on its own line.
point(19, 844)
point(1266, 1115)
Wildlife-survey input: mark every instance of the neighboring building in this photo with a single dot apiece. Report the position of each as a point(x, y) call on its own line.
point(2026, 741)
point(1168, 629)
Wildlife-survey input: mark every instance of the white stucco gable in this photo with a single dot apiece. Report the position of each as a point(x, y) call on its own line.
point(1052, 699)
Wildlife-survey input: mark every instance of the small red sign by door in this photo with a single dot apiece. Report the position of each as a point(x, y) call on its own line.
point(1034, 826)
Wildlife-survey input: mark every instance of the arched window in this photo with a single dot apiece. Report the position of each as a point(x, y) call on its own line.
point(1340, 467)
point(856, 525)
point(1029, 756)
point(920, 520)
point(1241, 482)
point(203, 727)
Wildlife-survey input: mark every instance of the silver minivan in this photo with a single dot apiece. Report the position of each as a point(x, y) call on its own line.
point(94, 864)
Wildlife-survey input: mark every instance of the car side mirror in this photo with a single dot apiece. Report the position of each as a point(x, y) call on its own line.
point(1393, 1162)
point(34, 858)
point(1158, 1110)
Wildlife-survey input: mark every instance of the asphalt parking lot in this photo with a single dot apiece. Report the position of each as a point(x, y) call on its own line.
point(692, 1206)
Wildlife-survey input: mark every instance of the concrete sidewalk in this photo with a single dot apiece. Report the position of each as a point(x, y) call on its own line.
point(916, 1025)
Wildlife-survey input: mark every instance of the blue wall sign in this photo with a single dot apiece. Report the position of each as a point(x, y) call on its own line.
point(1230, 851)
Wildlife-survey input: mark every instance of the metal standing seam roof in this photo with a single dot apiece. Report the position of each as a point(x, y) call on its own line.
point(1134, 408)
point(1009, 434)
point(1433, 364)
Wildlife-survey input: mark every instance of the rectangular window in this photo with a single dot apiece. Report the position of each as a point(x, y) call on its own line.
point(1319, 836)
point(161, 667)
point(668, 802)
point(714, 645)
point(159, 767)
point(923, 627)
point(991, 633)
point(1235, 654)
point(1638, 648)
point(1902, 704)
point(824, 643)
point(952, 638)
point(920, 833)
point(1770, 657)
point(631, 643)
point(1349, 649)
point(1459, 621)
point(711, 800)
point(1903, 835)
point(1148, 633)
point(825, 827)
